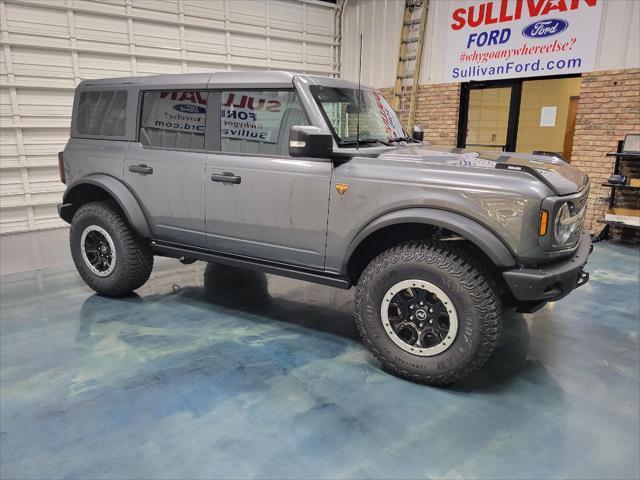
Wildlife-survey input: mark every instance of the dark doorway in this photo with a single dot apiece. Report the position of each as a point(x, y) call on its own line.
point(489, 115)
point(520, 115)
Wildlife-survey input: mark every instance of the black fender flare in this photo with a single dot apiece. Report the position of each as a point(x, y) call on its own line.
point(118, 191)
point(471, 230)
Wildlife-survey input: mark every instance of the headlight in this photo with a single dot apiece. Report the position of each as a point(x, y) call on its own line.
point(562, 230)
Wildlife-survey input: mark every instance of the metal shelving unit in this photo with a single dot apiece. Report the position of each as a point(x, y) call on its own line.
point(623, 153)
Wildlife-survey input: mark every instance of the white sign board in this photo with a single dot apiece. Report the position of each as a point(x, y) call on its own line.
point(253, 116)
point(392, 125)
point(494, 39)
point(548, 116)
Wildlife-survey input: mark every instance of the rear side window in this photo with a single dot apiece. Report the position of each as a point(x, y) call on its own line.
point(174, 119)
point(259, 121)
point(102, 113)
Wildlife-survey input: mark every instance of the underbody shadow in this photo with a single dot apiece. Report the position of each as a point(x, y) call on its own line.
point(238, 291)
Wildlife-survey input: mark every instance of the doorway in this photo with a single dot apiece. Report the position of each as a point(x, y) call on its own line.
point(521, 115)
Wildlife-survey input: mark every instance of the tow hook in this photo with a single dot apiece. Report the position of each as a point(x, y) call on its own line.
point(583, 277)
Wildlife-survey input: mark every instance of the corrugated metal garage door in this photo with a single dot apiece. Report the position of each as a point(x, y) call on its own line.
point(49, 46)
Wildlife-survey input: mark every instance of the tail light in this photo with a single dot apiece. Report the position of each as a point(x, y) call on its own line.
point(63, 178)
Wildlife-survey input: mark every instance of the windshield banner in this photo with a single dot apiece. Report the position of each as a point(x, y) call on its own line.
point(495, 39)
point(392, 125)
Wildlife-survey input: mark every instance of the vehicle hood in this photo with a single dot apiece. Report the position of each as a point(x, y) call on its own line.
point(561, 177)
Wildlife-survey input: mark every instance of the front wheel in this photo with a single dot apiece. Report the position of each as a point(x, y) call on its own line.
point(110, 257)
point(428, 313)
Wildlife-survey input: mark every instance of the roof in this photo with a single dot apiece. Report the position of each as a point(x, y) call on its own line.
point(265, 78)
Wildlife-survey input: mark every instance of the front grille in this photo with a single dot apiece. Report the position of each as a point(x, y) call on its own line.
point(579, 203)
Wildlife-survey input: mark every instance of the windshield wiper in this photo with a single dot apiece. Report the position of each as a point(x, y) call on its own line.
point(402, 139)
point(362, 141)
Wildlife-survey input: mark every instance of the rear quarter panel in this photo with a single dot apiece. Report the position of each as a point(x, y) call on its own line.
point(84, 157)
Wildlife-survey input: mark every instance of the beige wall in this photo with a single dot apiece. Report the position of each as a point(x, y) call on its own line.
point(537, 94)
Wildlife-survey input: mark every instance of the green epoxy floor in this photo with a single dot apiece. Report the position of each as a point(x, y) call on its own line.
point(215, 373)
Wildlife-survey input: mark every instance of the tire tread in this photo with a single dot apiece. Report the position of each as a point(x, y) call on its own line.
point(470, 273)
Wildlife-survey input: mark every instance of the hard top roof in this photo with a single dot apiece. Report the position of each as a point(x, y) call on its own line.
point(258, 79)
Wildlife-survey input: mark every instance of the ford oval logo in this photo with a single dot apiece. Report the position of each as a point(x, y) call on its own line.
point(185, 108)
point(545, 28)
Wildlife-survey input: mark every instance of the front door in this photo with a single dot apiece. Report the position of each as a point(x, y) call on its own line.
point(260, 202)
point(165, 169)
point(489, 115)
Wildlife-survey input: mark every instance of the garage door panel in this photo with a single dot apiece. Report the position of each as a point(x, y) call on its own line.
point(248, 46)
point(111, 7)
point(47, 63)
point(49, 57)
point(29, 19)
point(200, 9)
point(203, 40)
point(213, 25)
point(248, 13)
point(205, 67)
point(94, 65)
point(148, 66)
point(157, 35)
point(45, 103)
point(97, 28)
point(286, 15)
point(14, 219)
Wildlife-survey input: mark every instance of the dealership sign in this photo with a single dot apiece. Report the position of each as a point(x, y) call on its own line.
point(493, 39)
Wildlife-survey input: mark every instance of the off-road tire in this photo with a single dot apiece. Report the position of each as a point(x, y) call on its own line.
point(472, 291)
point(133, 259)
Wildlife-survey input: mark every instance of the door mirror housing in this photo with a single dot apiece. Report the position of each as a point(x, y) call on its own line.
point(306, 141)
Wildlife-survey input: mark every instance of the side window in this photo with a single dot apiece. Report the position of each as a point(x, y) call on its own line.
point(258, 121)
point(102, 113)
point(174, 119)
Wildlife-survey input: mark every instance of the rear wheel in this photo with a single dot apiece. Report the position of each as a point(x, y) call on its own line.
point(428, 313)
point(110, 257)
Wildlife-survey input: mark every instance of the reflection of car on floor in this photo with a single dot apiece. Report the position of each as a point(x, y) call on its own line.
point(311, 178)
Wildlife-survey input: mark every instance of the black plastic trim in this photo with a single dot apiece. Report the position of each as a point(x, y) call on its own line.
point(175, 250)
point(552, 282)
point(118, 191)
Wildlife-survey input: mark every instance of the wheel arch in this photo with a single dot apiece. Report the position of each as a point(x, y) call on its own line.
point(414, 223)
point(104, 187)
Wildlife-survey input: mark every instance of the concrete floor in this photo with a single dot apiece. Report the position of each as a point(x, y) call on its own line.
point(210, 372)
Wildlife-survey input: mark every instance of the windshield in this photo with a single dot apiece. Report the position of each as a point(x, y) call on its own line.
point(378, 121)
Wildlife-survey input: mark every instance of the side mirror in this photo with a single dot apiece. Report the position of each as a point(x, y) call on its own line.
point(417, 134)
point(305, 141)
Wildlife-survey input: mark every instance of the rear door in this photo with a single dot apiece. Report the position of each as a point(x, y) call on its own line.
point(260, 202)
point(165, 168)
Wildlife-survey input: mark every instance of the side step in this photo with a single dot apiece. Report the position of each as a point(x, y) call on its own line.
point(175, 250)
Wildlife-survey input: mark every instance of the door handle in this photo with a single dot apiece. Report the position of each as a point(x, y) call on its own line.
point(142, 168)
point(226, 177)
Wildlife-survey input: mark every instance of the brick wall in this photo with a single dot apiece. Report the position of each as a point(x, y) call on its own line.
point(609, 108)
point(436, 112)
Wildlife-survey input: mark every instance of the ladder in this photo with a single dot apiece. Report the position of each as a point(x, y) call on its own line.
point(408, 72)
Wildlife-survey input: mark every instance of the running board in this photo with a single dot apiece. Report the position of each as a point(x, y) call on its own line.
point(175, 250)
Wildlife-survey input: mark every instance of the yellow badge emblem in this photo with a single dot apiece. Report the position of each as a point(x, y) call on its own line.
point(341, 188)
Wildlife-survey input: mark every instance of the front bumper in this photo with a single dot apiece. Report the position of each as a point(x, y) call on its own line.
point(549, 283)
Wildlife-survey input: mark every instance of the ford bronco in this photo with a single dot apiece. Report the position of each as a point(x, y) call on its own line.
point(316, 179)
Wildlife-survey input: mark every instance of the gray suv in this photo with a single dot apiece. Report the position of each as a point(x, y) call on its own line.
point(312, 178)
